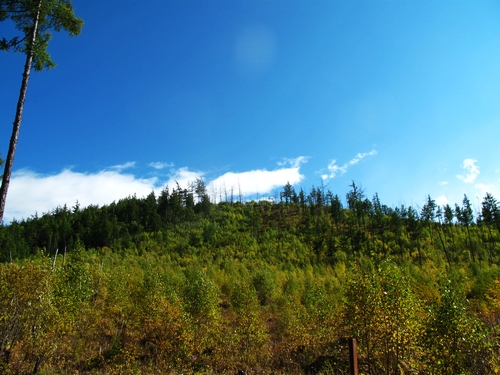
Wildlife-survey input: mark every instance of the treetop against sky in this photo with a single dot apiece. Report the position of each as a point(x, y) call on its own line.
point(401, 97)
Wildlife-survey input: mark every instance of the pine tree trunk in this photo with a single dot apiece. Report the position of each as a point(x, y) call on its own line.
point(444, 247)
point(472, 251)
point(19, 116)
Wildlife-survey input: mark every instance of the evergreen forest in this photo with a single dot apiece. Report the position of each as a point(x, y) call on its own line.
point(180, 284)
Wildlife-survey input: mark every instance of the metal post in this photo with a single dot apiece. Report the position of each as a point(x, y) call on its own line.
point(353, 357)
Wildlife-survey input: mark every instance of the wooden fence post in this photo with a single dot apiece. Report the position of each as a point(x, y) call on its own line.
point(353, 357)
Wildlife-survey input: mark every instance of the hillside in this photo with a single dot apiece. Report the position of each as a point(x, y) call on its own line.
point(178, 284)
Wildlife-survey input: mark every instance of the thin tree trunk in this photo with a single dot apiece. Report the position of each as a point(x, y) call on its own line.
point(472, 251)
point(19, 115)
point(444, 248)
point(55, 260)
point(491, 245)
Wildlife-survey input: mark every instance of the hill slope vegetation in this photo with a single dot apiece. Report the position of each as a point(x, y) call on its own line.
point(178, 284)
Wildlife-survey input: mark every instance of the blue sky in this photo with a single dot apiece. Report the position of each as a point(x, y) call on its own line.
point(402, 97)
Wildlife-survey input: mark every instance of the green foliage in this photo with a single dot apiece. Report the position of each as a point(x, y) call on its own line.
point(382, 312)
point(167, 285)
point(27, 317)
point(250, 338)
point(265, 286)
point(53, 15)
point(455, 339)
point(200, 295)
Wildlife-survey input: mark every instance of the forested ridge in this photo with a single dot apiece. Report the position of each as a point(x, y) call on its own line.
point(180, 284)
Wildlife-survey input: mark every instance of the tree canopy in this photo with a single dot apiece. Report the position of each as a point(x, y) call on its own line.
point(53, 15)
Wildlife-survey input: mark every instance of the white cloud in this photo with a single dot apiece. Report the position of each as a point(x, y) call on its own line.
point(253, 182)
point(160, 165)
point(121, 167)
point(182, 176)
point(31, 192)
point(256, 182)
point(294, 162)
point(485, 188)
point(472, 171)
point(335, 169)
point(442, 200)
point(454, 193)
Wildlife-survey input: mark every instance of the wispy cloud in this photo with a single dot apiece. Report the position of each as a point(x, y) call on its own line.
point(31, 192)
point(121, 167)
point(472, 171)
point(294, 162)
point(160, 165)
point(482, 189)
point(449, 193)
point(334, 169)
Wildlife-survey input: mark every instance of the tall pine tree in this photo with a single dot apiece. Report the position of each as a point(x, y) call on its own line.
point(35, 19)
